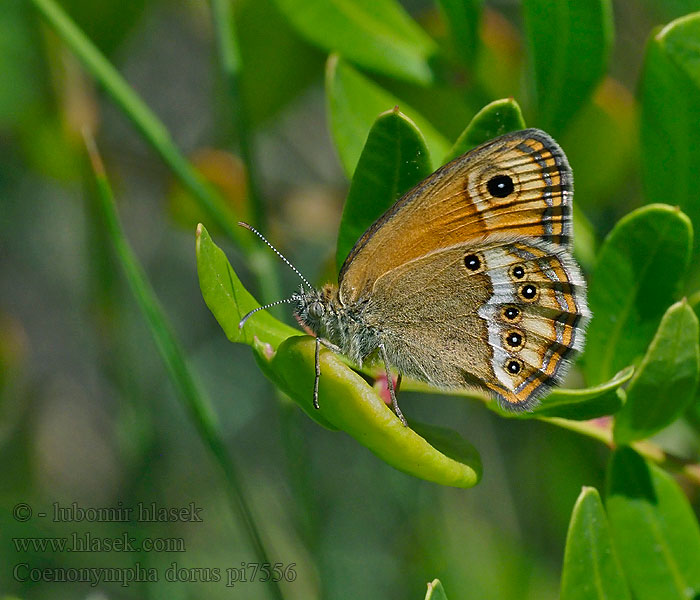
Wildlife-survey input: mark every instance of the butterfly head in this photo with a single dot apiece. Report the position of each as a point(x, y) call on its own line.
point(316, 308)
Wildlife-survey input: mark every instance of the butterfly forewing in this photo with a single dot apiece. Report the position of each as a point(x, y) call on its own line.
point(519, 184)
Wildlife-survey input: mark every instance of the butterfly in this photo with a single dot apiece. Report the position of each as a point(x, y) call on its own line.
point(467, 281)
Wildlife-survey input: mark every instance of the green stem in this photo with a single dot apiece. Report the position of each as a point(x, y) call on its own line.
point(156, 134)
point(193, 397)
point(229, 57)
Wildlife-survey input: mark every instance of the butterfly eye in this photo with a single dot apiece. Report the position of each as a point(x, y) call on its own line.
point(514, 339)
point(528, 292)
point(510, 313)
point(514, 366)
point(316, 310)
point(517, 272)
point(500, 186)
point(472, 262)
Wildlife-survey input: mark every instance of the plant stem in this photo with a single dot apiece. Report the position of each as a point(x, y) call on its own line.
point(229, 56)
point(155, 133)
point(192, 395)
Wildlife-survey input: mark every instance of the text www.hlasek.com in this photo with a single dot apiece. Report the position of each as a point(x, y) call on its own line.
point(86, 542)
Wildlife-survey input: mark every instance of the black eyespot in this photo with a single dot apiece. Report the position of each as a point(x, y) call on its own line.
point(514, 339)
point(500, 186)
point(472, 262)
point(511, 313)
point(528, 291)
point(514, 366)
point(518, 272)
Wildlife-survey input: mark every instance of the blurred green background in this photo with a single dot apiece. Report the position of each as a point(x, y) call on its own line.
point(88, 413)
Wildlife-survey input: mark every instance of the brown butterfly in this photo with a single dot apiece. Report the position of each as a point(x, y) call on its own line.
point(467, 281)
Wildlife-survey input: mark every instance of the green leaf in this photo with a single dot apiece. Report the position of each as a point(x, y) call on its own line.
point(435, 591)
point(375, 34)
point(666, 380)
point(577, 405)
point(570, 43)
point(640, 266)
point(269, 45)
point(655, 531)
point(394, 159)
point(670, 117)
point(588, 403)
point(591, 567)
point(497, 118)
point(349, 403)
point(229, 301)
point(353, 105)
point(463, 18)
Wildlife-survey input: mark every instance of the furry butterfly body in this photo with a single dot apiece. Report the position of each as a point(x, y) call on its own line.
point(468, 280)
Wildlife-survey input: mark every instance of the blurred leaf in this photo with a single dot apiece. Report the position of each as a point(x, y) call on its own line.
point(665, 10)
point(225, 172)
point(497, 118)
point(640, 266)
point(375, 34)
point(463, 18)
point(666, 380)
point(106, 22)
point(570, 43)
point(393, 160)
point(577, 405)
point(602, 146)
point(499, 64)
point(655, 531)
point(349, 403)
point(591, 568)
point(229, 301)
point(269, 45)
point(670, 119)
point(435, 591)
point(20, 64)
point(353, 105)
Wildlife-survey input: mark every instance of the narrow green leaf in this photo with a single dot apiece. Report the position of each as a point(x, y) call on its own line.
point(591, 567)
point(577, 405)
point(463, 18)
point(670, 117)
point(229, 301)
point(394, 159)
point(435, 591)
point(666, 380)
point(497, 118)
point(376, 34)
point(640, 267)
point(192, 395)
point(349, 403)
point(654, 529)
point(353, 105)
point(570, 43)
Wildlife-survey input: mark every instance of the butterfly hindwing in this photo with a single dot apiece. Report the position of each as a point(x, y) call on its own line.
point(506, 314)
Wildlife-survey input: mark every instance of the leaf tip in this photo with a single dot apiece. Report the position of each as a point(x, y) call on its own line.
point(198, 231)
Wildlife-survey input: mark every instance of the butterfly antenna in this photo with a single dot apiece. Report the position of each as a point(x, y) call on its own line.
point(278, 253)
point(252, 312)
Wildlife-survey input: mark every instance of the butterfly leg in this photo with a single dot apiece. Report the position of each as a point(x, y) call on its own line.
point(317, 364)
point(317, 377)
point(390, 385)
